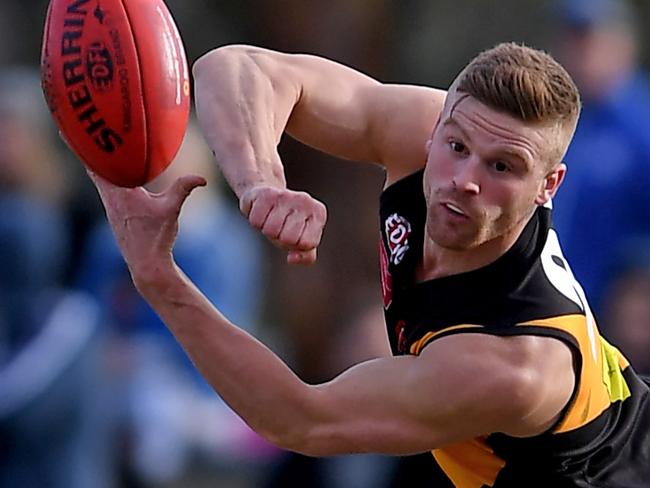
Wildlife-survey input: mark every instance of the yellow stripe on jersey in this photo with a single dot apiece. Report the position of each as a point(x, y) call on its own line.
point(470, 464)
point(418, 345)
point(600, 380)
point(473, 464)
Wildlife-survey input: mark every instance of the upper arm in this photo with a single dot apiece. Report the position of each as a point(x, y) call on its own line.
point(346, 113)
point(460, 387)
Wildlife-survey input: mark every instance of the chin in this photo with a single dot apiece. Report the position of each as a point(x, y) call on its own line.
point(454, 241)
point(459, 244)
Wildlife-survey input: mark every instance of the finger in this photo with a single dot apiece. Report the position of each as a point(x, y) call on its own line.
point(246, 203)
point(253, 195)
point(183, 186)
point(292, 229)
point(95, 178)
point(275, 222)
point(302, 257)
point(104, 187)
point(259, 212)
point(311, 235)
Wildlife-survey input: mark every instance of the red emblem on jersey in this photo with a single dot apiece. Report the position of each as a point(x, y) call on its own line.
point(397, 230)
point(386, 278)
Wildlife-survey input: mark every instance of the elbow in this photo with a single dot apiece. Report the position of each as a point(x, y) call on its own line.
point(295, 440)
point(309, 429)
point(205, 63)
point(288, 437)
point(300, 436)
point(216, 57)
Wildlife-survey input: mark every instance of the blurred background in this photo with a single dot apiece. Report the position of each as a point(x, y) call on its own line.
point(94, 392)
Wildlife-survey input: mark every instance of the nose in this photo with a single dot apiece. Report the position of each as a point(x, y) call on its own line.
point(466, 178)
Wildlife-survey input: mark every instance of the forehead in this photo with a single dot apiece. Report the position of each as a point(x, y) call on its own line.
point(486, 125)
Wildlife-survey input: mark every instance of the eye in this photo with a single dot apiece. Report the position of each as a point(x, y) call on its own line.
point(500, 167)
point(456, 146)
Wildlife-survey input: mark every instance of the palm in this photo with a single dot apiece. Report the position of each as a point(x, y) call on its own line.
point(145, 224)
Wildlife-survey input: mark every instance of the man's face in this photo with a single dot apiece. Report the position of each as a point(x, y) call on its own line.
point(486, 172)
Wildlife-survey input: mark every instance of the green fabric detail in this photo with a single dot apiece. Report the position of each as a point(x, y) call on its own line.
point(612, 374)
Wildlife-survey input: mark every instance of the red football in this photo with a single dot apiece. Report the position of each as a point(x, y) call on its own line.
point(115, 77)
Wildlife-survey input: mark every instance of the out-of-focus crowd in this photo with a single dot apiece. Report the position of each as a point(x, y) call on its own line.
point(94, 392)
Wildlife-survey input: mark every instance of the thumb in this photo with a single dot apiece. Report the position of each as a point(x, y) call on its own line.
point(302, 257)
point(246, 203)
point(182, 187)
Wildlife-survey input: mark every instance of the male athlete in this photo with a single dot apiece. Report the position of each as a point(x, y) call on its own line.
point(498, 366)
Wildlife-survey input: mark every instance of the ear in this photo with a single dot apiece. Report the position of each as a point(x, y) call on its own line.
point(551, 183)
point(429, 141)
point(427, 144)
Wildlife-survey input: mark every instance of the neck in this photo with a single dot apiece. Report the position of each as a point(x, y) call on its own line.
point(438, 262)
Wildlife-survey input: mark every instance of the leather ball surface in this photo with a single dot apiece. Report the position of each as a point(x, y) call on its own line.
point(116, 80)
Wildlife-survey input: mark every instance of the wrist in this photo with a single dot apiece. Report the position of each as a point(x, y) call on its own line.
point(243, 169)
point(152, 278)
point(270, 176)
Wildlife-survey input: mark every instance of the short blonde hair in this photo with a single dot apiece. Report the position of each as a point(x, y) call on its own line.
point(527, 84)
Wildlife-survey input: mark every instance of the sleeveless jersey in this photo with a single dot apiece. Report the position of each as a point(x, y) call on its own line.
point(603, 436)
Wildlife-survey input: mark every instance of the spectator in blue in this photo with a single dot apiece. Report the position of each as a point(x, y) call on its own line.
point(52, 432)
point(627, 302)
point(171, 417)
point(604, 199)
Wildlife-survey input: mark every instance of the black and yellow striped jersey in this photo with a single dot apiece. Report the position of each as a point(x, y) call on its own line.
point(603, 436)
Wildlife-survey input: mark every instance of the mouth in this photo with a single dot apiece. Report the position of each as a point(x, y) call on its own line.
point(454, 209)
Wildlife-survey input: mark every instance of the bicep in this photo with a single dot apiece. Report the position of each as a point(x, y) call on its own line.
point(348, 114)
point(459, 388)
point(412, 404)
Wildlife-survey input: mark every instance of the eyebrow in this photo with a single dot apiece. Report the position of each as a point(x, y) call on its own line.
point(451, 121)
point(519, 155)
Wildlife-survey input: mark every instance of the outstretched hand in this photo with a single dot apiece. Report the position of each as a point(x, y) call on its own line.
point(291, 220)
point(145, 224)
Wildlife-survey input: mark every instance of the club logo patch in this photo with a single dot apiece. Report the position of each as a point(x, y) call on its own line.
point(397, 230)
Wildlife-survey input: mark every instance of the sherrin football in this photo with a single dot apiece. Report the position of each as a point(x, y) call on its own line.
point(116, 80)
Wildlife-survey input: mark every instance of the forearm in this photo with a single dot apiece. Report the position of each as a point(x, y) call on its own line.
point(246, 374)
point(376, 406)
point(243, 103)
point(246, 97)
point(264, 392)
point(318, 420)
point(369, 408)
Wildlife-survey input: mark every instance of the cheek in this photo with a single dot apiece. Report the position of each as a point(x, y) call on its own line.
point(438, 165)
point(509, 201)
point(431, 174)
